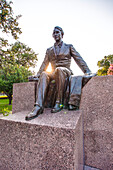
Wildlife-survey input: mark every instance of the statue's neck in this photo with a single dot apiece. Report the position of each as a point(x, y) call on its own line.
point(58, 42)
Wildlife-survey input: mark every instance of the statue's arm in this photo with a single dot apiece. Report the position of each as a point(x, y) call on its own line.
point(44, 64)
point(43, 67)
point(79, 60)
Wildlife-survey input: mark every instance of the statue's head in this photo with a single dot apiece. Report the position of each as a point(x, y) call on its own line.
point(58, 33)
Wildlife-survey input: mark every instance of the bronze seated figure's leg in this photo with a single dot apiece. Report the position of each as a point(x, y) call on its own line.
point(61, 74)
point(42, 87)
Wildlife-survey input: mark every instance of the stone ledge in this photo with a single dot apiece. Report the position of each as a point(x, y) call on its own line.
point(23, 96)
point(97, 107)
point(50, 141)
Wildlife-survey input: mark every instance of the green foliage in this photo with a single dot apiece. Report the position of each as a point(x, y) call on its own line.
point(9, 23)
point(12, 74)
point(6, 112)
point(19, 54)
point(5, 109)
point(16, 60)
point(3, 42)
point(104, 65)
point(15, 63)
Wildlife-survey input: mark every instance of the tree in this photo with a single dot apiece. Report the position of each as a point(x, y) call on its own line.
point(16, 60)
point(9, 23)
point(19, 54)
point(104, 65)
point(12, 74)
point(15, 65)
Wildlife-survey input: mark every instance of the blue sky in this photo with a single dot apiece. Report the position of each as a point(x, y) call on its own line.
point(87, 24)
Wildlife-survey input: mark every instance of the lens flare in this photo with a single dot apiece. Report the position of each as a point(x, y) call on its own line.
point(49, 68)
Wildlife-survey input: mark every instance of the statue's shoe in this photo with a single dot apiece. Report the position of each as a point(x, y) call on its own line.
point(35, 113)
point(58, 107)
point(72, 107)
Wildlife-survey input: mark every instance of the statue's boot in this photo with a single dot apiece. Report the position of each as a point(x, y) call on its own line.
point(58, 107)
point(72, 107)
point(35, 113)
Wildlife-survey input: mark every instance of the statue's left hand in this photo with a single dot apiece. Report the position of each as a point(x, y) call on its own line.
point(90, 74)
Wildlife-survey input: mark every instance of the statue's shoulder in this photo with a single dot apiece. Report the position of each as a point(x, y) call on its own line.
point(50, 48)
point(68, 45)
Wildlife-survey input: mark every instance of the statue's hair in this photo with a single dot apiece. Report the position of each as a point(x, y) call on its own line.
point(59, 28)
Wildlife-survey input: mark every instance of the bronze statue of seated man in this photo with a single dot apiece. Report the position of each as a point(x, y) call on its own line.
point(59, 55)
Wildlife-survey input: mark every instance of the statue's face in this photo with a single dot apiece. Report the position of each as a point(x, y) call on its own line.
point(57, 34)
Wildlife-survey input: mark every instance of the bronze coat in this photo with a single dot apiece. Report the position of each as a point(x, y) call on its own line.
point(63, 59)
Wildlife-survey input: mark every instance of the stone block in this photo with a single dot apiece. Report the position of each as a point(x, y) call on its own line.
point(48, 142)
point(97, 107)
point(23, 96)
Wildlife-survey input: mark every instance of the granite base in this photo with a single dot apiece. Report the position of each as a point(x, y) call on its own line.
point(23, 96)
point(97, 107)
point(48, 142)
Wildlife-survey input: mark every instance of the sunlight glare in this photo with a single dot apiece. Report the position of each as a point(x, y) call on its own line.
point(49, 68)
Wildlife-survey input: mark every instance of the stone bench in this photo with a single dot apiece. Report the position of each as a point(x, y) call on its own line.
point(51, 130)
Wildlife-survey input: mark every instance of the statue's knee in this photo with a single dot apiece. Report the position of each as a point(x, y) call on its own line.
point(58, 69)
point(44, 74)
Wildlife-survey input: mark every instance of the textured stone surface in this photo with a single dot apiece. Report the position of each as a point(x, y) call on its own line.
point(49, 142)
point(23, 96)
point(97, 107)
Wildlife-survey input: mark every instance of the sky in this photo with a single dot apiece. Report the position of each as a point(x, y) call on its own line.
point(87, 25)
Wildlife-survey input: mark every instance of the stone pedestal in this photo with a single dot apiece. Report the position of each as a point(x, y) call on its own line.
point(23, 96)
point(54, 141)
point(97, 108)
point(48, 142)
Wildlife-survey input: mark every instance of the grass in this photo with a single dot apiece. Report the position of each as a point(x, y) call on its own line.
point(4, 106)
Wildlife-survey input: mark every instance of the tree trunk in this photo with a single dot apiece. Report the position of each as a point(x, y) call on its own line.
point(10, 99)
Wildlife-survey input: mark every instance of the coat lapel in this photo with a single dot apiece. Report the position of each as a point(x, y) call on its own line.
point(52, 52)
point(63, 49)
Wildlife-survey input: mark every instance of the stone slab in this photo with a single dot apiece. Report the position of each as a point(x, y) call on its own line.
point(50, 141)
point(97, 107)
point(23, 96)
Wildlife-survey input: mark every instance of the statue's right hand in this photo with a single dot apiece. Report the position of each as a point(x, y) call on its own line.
point(33, 78)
